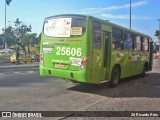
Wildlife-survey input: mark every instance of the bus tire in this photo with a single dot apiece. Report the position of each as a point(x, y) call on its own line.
point(115, 77)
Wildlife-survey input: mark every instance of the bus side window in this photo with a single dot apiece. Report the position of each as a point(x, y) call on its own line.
point(145, 44)
point(113, 45)
point(117, 37)
point(128, 41)
point(117, 44)
point(96, 35)
point(137, 43)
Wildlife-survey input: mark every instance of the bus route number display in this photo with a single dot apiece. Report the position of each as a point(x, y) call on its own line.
point(69, 51)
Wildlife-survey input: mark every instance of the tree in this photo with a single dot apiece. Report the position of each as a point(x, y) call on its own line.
point(19, 35)
point(35, 40)
point(21, 31)
point(157, 33)
point(1, 40)
point(28, 38)
point(8, 36)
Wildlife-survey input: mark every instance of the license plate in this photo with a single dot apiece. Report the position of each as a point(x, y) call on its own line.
point(60, 65)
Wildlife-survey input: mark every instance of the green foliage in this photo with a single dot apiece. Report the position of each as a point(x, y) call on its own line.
point(1, 40)
point(10, 36)
point(19, 35)
point(21, 31)
point(157, 33)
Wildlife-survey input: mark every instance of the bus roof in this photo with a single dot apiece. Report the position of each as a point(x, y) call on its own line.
point(67, 15)
point(105, 22)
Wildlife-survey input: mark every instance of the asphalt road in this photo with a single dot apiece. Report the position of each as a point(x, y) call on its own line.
point(25, 90)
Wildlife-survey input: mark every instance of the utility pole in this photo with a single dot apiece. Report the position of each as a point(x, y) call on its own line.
point(6, 2)
point(159, 37)
point(5, 43)
point(130, 14)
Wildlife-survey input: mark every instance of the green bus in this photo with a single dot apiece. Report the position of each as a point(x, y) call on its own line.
point(90, 50)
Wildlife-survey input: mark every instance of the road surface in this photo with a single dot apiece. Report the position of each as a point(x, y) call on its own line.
point(25, 90)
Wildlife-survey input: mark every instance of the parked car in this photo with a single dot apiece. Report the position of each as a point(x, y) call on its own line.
point(13, 58)
point(26, 58)
point(22, 58)
point(36, 57)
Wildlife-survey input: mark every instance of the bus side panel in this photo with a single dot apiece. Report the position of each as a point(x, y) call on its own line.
point(96, 74)
point(96, 54)
point(131, 62)
point(123, 59)
point(106, 51)
point(41, 70)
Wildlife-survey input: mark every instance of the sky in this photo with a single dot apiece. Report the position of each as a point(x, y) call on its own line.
point(145, 13)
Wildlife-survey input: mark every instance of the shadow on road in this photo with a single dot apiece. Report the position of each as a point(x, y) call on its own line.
point(148, 86)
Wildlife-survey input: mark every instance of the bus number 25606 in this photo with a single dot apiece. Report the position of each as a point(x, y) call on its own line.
point(69, 51)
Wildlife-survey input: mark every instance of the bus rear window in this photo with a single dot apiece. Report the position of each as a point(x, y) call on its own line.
point(65, 26)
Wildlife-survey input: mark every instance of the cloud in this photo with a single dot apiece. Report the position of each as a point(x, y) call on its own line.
point(103, 11)
point(124, 17)
point(115, 16)
point(112, 8)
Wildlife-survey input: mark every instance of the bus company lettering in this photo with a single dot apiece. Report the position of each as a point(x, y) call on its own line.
point(60, 61)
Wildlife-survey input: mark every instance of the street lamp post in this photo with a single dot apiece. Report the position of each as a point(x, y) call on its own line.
point(159, 37)
point(5, 43)
point(6, 2)
point(130, 14)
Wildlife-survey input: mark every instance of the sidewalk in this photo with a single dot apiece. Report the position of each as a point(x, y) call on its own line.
point(36, 64)
point(156, 63)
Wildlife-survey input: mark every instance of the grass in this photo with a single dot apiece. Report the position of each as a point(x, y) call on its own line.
point(6, 57)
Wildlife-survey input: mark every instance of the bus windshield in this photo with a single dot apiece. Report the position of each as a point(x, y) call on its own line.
point(65, 26)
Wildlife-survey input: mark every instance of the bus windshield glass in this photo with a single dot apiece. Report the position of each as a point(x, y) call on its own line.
point(65, 26)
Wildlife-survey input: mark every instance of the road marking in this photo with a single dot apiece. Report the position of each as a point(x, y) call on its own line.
point(30, 72)
point(16, 73)
point(2, 74)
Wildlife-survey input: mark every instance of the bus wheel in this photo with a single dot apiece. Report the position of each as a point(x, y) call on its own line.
point(115, 77)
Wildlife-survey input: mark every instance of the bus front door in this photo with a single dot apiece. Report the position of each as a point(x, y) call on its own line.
point(105, 53)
